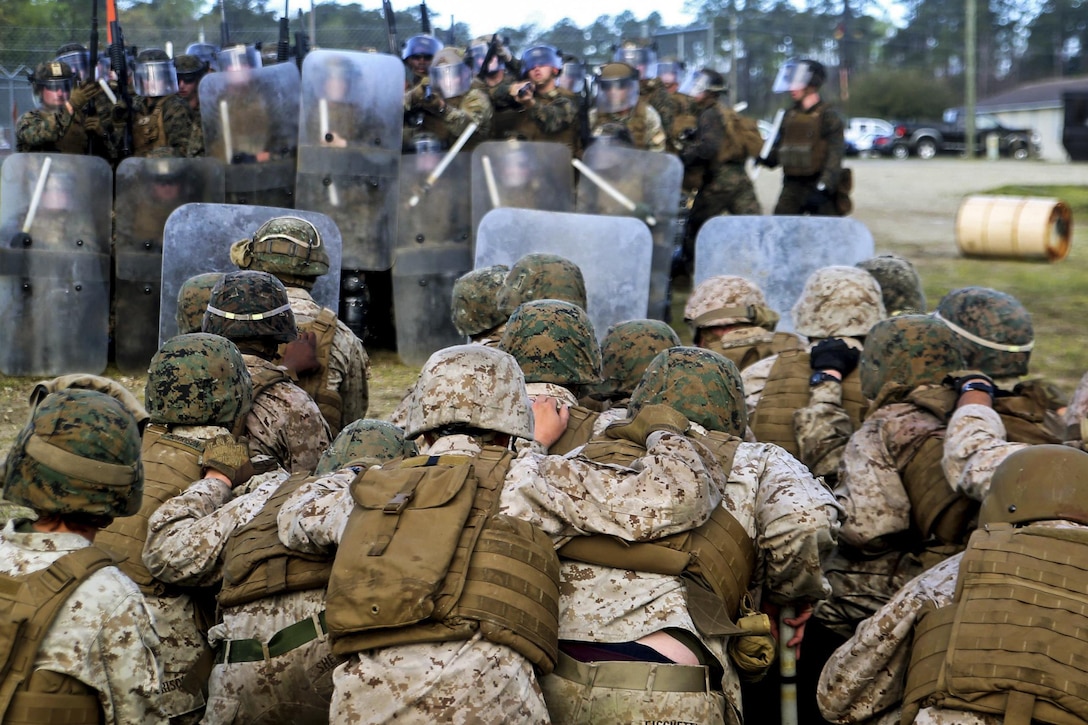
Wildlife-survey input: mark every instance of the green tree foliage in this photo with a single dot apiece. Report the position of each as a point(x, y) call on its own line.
point(903, 95)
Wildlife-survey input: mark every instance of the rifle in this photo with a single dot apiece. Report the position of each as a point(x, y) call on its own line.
point(391, 27)
point(302, 44)
point(224, 29)
point(92, 62)
point(424, 18)
point(492, 50)
point(283, 45)
point(584, 130)
point(119, 65)
point(449, 34)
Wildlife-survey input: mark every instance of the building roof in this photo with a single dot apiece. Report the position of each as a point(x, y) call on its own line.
point(1044, 94)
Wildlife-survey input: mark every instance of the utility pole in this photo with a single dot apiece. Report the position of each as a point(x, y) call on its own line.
point(970, 69)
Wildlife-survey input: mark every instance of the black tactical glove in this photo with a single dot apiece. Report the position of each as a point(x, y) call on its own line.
point(815, 201)
point(120, 112)
point(243, 158)
point(834, 354)
point(651, 418)
point(229, 457)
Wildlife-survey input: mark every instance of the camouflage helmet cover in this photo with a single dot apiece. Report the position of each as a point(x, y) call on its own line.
point(553, 342)
point(365, 441)
point(193, 301)
point(838, 301)
point(900, 284)
point(703, 385)
point(472, 385)
point(78, 454)
point(542, 277)
point(53, 70)
point(628, 349)
point(907, 350)
point(728, 300)
point(198, 379)
point(1038, 483)
point(250, 305)
point(475, 307)
point(995, 331)
point(288, 246)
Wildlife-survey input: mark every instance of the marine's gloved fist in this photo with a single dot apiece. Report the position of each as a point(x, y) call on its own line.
point(120, 112)
point(980, 381)
point(243, 158)
point(815, 201)
point(92, 124)
point(228, 456)
point(649, 419)
point(83, 94)
point(834, 354)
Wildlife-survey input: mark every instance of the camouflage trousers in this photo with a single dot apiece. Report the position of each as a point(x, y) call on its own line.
point(587, 703)
point(182, 646)
point(730, 191)
point(453, 683)
point(795, 194)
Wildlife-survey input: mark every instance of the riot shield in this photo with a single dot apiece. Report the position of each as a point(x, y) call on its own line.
point(521, 175)
point(614, 254)
point(148, 191)
point(197, 239)
point(250, 122)
point(650, 180)
point(54, 272)
point(778, 252)
point(433, 249)
point(349, 149)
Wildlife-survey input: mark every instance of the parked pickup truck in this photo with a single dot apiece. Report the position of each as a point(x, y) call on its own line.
point(926, 140)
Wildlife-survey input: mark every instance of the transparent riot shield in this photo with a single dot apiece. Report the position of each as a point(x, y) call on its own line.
point(148, 191)
point(778, 252)
point(54, 264)
point(349, 149)
point(250, 120)
point(433, 249)
point(652, 182)
point(521, 175)
point(614, 254)
point(197, 239)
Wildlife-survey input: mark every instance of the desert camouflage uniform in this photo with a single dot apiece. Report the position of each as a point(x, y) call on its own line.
point(642, 124)
point(1077, 409)
point(974, 445)
point(104, 636)
point(349, 365)
point(285, 423)
point(177, 125)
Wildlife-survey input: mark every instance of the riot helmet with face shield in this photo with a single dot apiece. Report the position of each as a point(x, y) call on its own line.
point(797, 75)
point(78, 59)
point(617, 88)
point(155, 75)
point(450, 76)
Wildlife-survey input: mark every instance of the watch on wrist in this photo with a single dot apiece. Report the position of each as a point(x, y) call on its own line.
point(821, 186)
point(821, 377)
point(977, 385)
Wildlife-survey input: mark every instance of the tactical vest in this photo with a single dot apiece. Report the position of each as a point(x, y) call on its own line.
point(803, 150)
point(258, 565)
point(787, 390)
point(579, 430)
point(264, 377)
point(530, 130)
point(31, 603)
point(425, 558)
point(74, 140)
point(633, 122)
point(718, 557)
point(746, 355)
point(171, 465)
point(148, 129)
point(937, 511)
point(1025, 413)
point(1011, 642)
point(316, 384)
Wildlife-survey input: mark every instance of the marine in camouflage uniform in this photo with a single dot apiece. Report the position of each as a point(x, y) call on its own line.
point(716, 154)
point(59, 125)
point(449, 103)
point(222, 523)
point(900, 284)
point(627, 349)
point(251, 310)
point(621, 114)
point(809, 402)
point(878, 677)
point(162, 124)
point(541, 276)
point(76, 464)
point(193, 299)
point(542, 110)
point(790, 518)
point(810, 145)
point(557, 349)
point(291, 249)
point(191, 69)
point(468, 394)
point(729, 315)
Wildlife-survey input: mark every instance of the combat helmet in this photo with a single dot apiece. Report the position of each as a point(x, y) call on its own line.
point(994, 330)
point(425, 45)
point(542, 277)
point(155, 75)
point(703, 385)
point(838, 302)
point(617, 88)
point(627, 349)
point(1038, 483)
point(250, 305)
point(473, 386)
point(553, 342)
point(190, 67)
point(900, 284)
point(289, 247)
point(367, 442)
point(475, 307)
point(193, 301)
point(198, 379)
point(78, 58)
point(908, 350)
point(79, 454)
point(55, 75)
point(797, 75)
point(728, 300)
point(450, 74)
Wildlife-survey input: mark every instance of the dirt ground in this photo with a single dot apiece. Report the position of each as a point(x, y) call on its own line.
point(909, 206)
